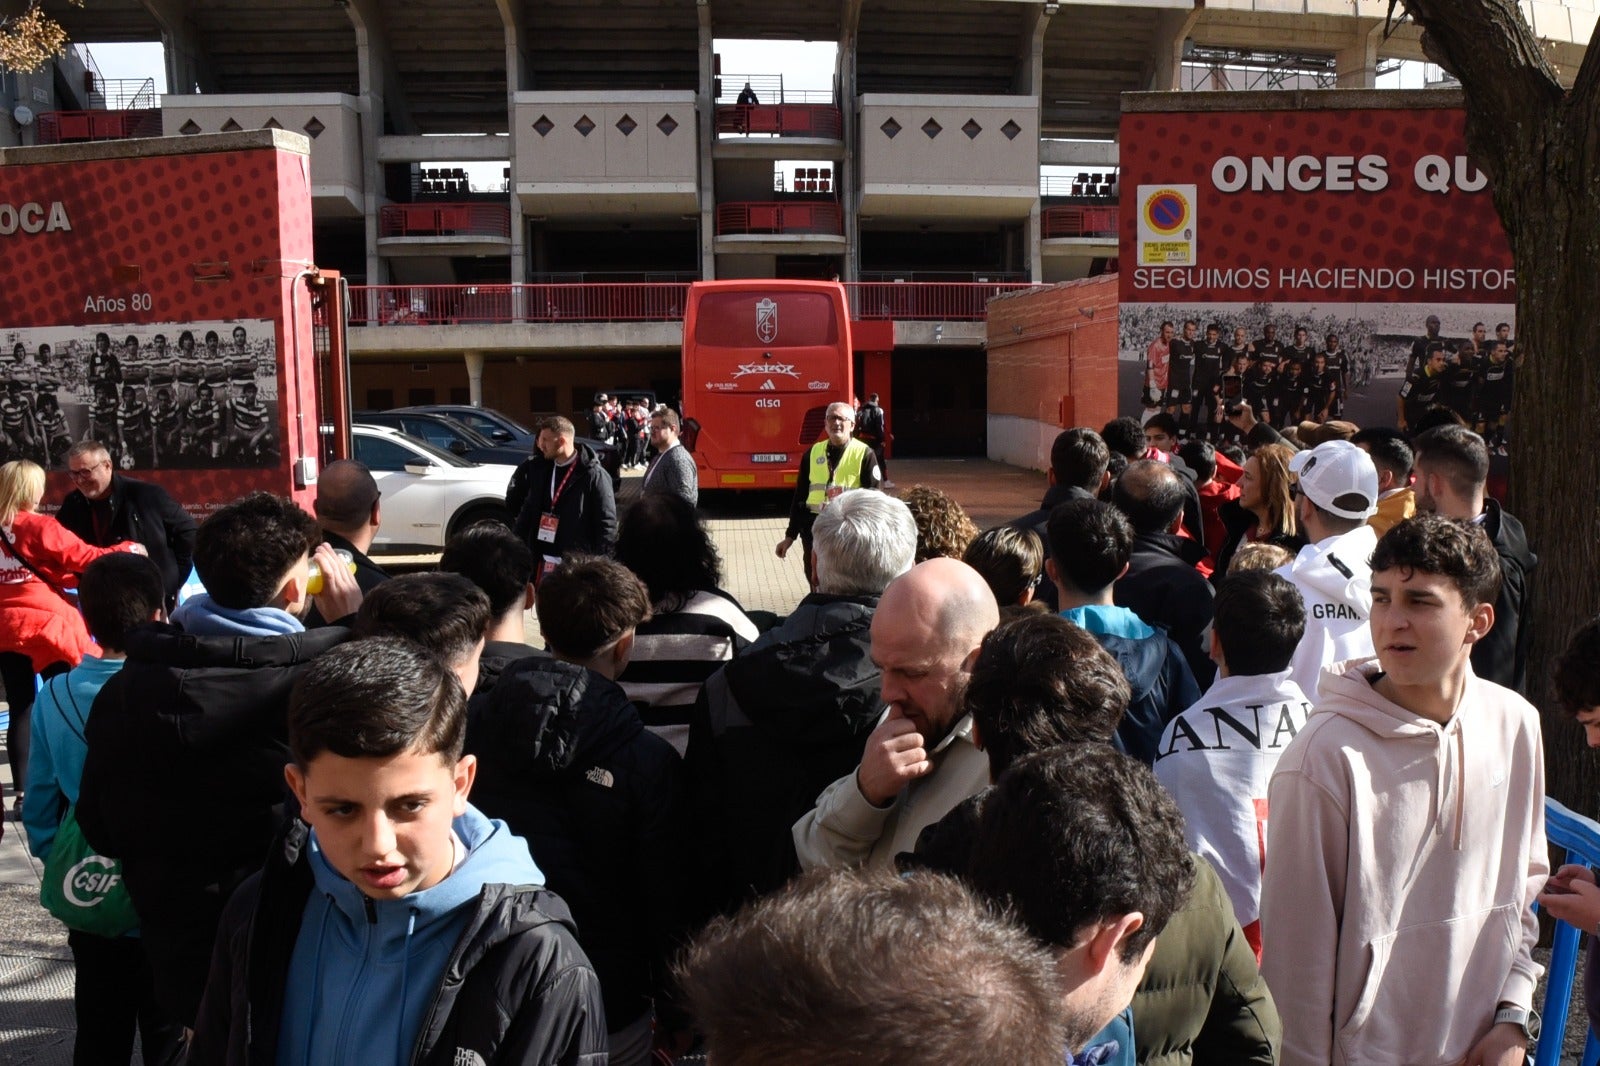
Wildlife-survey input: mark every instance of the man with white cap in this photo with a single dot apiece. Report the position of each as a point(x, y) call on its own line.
point(1335, 491)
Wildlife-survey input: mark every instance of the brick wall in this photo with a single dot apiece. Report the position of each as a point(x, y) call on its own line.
point(1050, 366)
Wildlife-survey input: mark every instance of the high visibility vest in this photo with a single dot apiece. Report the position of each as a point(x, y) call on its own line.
point(847, 475)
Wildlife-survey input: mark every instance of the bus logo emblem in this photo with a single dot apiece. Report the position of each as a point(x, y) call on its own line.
point(766, 385)
point(766, 320)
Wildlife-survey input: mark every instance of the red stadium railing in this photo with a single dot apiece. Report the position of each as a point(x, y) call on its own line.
point(432, 305)
point(61, 127)
point(444, 220)
point(1079, 222)
point(425, 305)
point(780, 217)
point(941, 301)
point(781, 120)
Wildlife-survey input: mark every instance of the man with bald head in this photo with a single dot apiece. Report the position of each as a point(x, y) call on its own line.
point(920, 761)
point(349, 510)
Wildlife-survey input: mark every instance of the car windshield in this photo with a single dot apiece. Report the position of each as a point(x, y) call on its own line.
point(489, 421)
point(443, 457)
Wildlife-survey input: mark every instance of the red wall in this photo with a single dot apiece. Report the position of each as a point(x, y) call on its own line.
point(172, 235)
point(1050, 362)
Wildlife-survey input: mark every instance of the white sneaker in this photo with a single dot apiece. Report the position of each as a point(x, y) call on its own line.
point(888, 486)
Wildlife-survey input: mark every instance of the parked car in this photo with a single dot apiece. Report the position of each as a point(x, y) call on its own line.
point(501, 430)
point(446, 433)
point(428, 494)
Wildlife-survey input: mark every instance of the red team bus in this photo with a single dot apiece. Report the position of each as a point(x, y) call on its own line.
point(762, 359)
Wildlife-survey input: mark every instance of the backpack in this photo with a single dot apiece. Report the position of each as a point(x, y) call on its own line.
point(870, 422)
point(82, 888)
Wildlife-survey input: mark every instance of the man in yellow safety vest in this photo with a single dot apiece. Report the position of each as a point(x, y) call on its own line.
point(827, 469)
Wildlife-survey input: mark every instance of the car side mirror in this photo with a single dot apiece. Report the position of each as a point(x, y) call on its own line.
point(459, 447)
point(420, 467)
point(501, 436)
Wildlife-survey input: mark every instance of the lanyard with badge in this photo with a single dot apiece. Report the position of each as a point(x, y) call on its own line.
point(548, 522)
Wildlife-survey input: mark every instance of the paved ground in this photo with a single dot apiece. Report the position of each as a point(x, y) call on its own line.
point(36, 1019)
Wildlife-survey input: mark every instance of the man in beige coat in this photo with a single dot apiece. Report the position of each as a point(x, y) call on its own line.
point(921, 760)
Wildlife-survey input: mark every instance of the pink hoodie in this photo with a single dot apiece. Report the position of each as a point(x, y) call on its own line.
point(1402, 859)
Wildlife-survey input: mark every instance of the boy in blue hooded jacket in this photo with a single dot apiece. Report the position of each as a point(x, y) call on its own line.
point(395, 923)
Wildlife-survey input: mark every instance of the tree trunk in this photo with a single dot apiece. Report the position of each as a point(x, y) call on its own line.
point(1540, 147)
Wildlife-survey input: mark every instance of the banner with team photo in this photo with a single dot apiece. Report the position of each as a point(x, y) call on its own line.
point(162, 396)
point(1368, 228)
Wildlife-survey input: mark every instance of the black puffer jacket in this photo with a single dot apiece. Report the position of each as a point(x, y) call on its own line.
point(773, 728)
point(516, 988)
point(1502, 655)
point(565, 761)
point(184, 782)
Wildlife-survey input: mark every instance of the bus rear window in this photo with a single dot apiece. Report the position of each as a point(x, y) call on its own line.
point(756, 320)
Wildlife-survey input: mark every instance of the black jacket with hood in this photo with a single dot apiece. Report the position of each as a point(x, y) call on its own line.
point(565, 761)
point(1502, 655)
point(184, 781)
point(771, 731)
point(516, 987)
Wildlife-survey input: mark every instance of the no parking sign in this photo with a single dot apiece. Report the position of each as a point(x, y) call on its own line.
point(1166, 225)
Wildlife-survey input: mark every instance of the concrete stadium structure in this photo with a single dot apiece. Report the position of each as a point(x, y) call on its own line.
point(629, 169)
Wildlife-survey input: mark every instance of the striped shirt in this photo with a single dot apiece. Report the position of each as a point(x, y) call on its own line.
point(673, 654)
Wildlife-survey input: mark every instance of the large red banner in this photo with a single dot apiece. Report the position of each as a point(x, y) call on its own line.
point(150, 303)
point(1357, 225)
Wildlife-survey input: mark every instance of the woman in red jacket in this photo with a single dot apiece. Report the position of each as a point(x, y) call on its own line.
point(40, 632)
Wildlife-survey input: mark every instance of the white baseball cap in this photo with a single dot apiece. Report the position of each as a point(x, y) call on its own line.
point(1338, 477)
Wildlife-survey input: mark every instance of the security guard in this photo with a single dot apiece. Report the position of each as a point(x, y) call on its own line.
point(827, 469)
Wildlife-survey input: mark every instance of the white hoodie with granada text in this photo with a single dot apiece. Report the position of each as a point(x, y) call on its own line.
point(1334, 577)
point(1403, 857)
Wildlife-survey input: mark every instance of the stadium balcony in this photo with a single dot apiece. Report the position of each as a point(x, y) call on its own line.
point(68, 127)
point(815, 121)
point(780, 217)
point(600, 302)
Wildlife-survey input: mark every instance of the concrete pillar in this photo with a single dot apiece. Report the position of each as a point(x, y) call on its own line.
point(189, 67)
point(707, 132)
point(1165, 68)
point(474, 361)
point(380, 100)
point(1030, 81)
point(849, 167)
point(1356, 64)
point(516, 61)
point(1033, 233)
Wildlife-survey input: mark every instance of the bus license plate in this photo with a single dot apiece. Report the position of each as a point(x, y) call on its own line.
point(769, 457)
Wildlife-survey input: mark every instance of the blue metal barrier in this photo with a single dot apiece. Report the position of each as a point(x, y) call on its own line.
point(1580, 837)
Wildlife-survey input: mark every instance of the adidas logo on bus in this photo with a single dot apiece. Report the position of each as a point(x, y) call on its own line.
point(767, 385)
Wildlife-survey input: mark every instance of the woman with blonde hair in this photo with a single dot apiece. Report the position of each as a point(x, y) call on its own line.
point(40, 632)
point(1264, 510)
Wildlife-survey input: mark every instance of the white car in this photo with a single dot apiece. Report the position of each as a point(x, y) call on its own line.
point(429, 495)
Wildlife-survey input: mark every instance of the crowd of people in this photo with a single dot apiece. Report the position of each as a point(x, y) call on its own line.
point(1217, 756)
